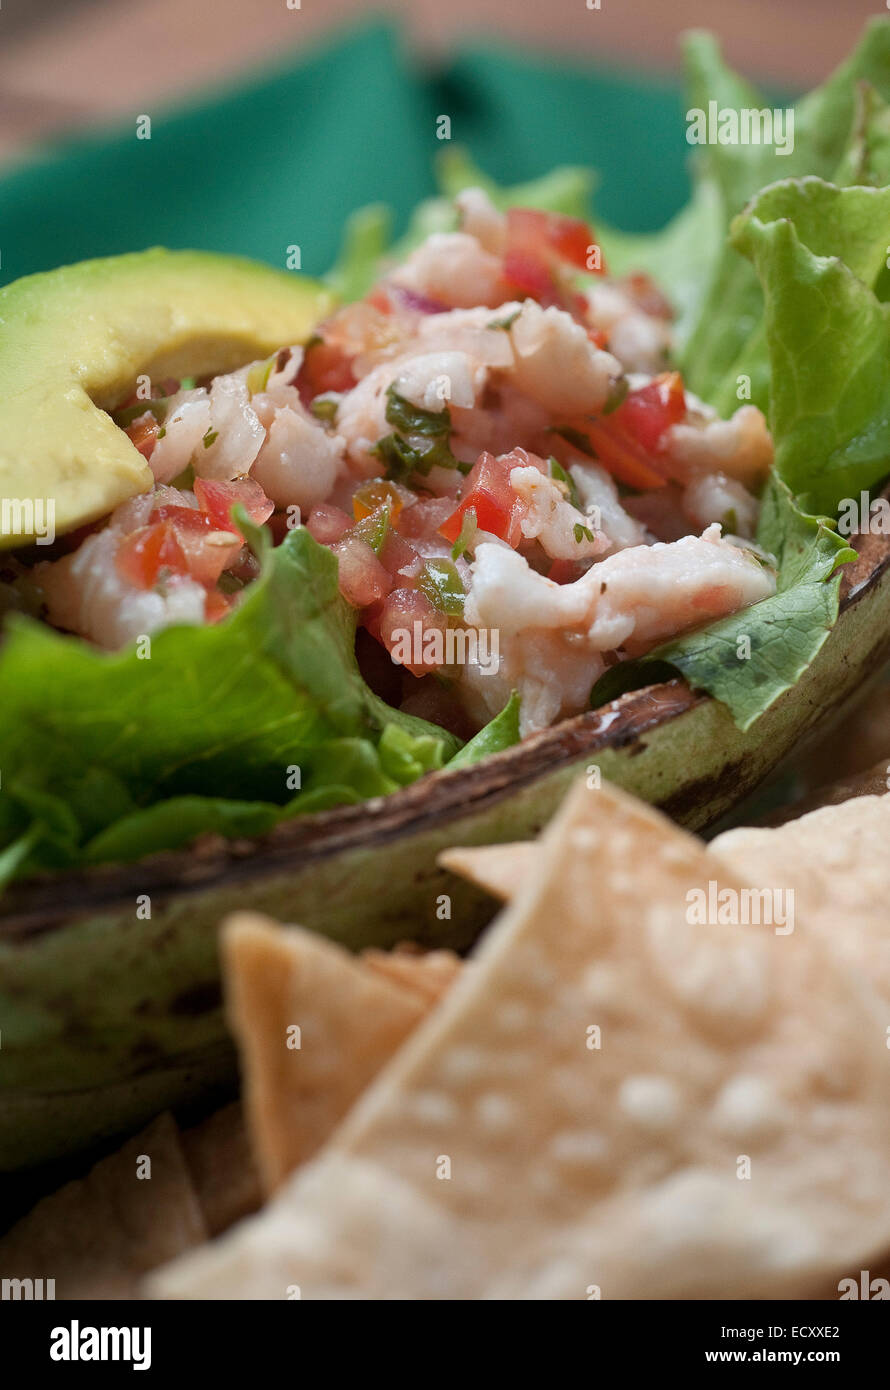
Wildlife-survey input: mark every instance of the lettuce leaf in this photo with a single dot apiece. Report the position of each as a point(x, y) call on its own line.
point(500, 733)
point(223, 728)
point(837, 135)
point(818, 251)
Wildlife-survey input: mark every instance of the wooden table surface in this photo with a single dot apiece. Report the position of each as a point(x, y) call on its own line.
point(102, 59)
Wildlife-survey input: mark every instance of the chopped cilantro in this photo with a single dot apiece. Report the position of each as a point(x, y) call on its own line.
point(559, 474)
point(410, 419)
point(402, 459)
point(210, 438)
point(581, 533)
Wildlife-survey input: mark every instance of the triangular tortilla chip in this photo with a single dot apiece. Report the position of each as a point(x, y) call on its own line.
point(836, 859)
point(725, 1133)
point(97, 1236)
point(222, 1168)
point(426, 973)
point(285, 986)
point(833, 857)
point(498, 869)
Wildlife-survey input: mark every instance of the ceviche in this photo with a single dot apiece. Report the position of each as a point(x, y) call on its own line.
point(493, 445)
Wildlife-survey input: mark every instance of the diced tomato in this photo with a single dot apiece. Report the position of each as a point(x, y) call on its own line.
point(202, 541)
point(399, 558)
point(217, 606)
point(327, 523)
point(143, 433)
point(143, 555)
point(362, 578)
point(326, 367)
point(217, 500)
point(598, 336)
point(564, 571)
point(531, 275)
point(370, 618)
point(487, 490)
point(425, 517)
point(401, 610)
point(651, 410)
point(628, 441)
point(622, 455)
point(538, 241)
point(571, 239)
point(189, 518)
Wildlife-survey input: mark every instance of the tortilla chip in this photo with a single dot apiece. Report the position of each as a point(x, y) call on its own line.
point(499, 869)
point(836, 860)
point(613, 1101)
point(426, 973)
point(350, 1020)
point(97, 1236)
point(222, 1168)
point(832, 855)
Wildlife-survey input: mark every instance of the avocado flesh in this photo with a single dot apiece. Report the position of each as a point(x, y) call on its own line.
point(107, 1019)
point(74, 340)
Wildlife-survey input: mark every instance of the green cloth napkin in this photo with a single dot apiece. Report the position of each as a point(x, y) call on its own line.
point(283, 158)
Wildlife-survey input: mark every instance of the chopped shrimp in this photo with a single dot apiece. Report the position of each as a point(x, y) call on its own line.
point(453, 268)
point(502, 416)
point(435, 380)
point(85, 593)
point(480, 218)
point(741, 447)
point(361, 417)
point(645, 595)
point(284, 372)
point(473, 331)
point(714, 497)
point(631, 600)
point(299, 461)
point(186, 424)
point(236, 434)
point(640, 341)
point(527, 665)
point(596, 489)
point(563, 531)
point(557, 364)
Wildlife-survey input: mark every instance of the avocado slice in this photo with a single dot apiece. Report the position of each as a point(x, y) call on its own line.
point(107, 1019)
point(74, 340)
